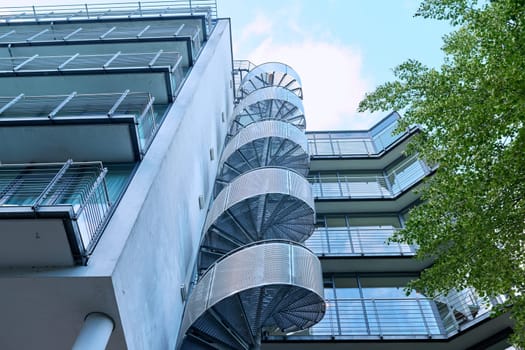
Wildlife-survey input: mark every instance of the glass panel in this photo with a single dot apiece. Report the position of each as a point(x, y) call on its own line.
point(117, 178)
point(324, 147)
point(405, 174)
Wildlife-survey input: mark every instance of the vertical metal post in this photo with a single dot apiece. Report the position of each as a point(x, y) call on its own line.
point(52, 184)
point(95, 333)
point(350, 236)
point(423, 316)
point(388, 183)
point(377, 318)
point(339, 185)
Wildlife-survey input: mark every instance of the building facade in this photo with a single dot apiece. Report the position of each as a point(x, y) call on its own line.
point(157, 194)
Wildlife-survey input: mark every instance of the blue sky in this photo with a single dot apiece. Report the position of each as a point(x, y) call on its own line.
point(340, 48)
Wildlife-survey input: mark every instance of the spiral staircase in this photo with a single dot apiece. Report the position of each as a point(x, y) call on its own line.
point(254, 275)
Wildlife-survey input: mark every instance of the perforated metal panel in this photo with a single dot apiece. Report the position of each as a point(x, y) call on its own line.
point(249, 282)
point(261, 182)
point(268, 103)
point(271, 74)
point(266, 143)
point(276, 280)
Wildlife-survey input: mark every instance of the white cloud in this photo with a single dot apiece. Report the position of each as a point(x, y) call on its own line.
point(261, 25)
point(331, 72)
point(332, 80)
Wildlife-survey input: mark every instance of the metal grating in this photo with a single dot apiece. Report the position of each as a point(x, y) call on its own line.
point(268, 103)
point(259, 200)
point(235, 276)
point(271, 74)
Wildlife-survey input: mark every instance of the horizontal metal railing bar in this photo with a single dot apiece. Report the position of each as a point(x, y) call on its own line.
point(108, 10)
point(358, 241)
point(98, 33)
point(358, 142)
point(77, 61)
point(401, 316)
point(389, 185)
point(378, 316)
point(35, 106)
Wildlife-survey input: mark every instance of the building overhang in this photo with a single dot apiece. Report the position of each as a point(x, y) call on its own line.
point(156, 81)
point(369, 205)
point(368, 263)
point(48, 237)
point(105, 139)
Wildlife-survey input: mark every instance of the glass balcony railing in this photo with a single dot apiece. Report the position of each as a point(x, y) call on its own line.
point(356, 143)
point(390, 185)
point(118, 60)
point(130, 9)
point(358, 241)
point(410, 317)
point(73, 32)
point(379, 317)
point(169, 63)
point(138, 106)
point(78, 187)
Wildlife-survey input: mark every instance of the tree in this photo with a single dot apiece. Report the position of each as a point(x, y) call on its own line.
point(472, 114)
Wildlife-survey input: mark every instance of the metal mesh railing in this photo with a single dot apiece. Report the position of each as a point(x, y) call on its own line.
point(136, 105)
point(356, 241)
point(370, 186)
point(130, 9)
point(80, 186)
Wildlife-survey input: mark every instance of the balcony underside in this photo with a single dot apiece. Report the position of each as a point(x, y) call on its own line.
point(482, 335)
point(52, 48)
point(378, 263)
point(368, 205)
point(47, 237)
point(81, 139)
point(156, 82)
point(359, 161)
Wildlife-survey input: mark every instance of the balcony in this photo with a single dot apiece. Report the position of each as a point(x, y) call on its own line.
point(51, 214)
point(160, 73)
point(97, 36)
point(363, 249)
point(368, 149)
point(395, 321)
point(357, 241)
point(392, 186)
point(107, 127)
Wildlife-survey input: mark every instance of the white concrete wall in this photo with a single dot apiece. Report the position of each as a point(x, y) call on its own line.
point(152, 239)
